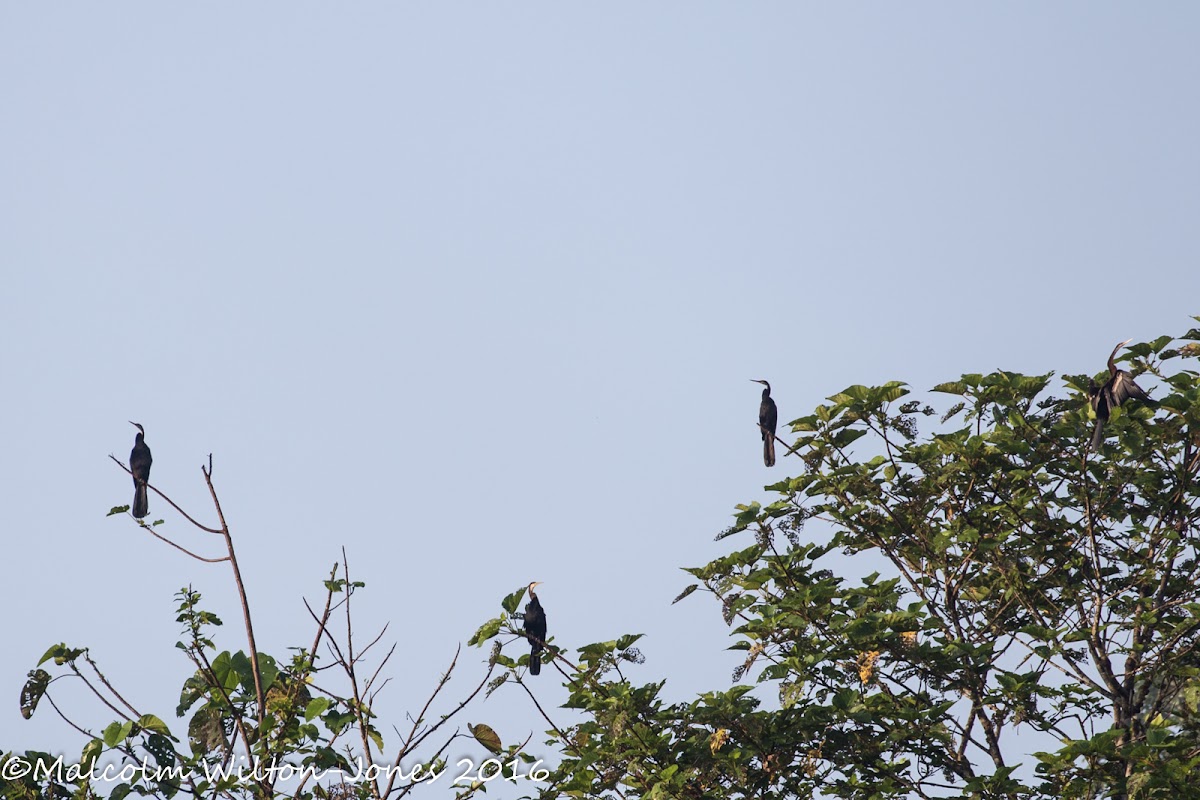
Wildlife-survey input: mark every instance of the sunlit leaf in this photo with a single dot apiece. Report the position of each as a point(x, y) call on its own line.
point(486, 737)
point(486, 631)
point(316, 707)
point(513, 601)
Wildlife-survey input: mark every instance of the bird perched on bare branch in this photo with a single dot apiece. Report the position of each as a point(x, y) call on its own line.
point(1119, 387)
point(139, 464)
point(768, 416)
point(535, 629)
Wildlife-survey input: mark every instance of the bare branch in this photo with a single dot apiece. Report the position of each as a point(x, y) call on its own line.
point(169, 500)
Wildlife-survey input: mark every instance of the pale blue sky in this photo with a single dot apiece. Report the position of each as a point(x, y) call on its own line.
point(475, 290)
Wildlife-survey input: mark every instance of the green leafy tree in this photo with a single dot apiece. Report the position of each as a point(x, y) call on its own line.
point(1026, 627)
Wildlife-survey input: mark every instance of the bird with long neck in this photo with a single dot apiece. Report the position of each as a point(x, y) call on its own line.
point(1120, 384)
point(1098, 399)
point(768, 416)
point(1119, 387)
point(139, 464)
point(535, 629)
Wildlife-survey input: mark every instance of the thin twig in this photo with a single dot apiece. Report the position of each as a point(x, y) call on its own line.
point(169, 500)
point(104, 680)
point(241, 587)
point(371, 681)
point(411, 744)
point(149, 529)
point(96, 692)
point(348, 665)
point(362, 653)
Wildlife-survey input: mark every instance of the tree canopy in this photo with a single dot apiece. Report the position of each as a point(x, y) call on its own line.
point(965, 601)
point(1024, 622)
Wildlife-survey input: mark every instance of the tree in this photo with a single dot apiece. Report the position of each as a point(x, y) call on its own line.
point(1026, 627)
point(258, 727)
point(1014, 582)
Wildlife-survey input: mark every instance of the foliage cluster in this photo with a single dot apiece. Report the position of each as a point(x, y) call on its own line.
point(257, 726)
point(1024, 625)
point(989, 608)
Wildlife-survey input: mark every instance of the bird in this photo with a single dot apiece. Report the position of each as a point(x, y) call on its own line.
point(768, 415)
point(139, 464)
point(1119, 387)
point(1099, 402)
point(535, 629)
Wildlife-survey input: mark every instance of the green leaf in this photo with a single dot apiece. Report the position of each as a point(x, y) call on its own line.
point(91, 752)
point(116, 733)
point(33, 690)
point(486, 631)
point(206, 731)
point(627, 641)
point(486, 737)
point(693, 587)
point(847, 436)
point(337, 721)
point(502, 678)
point(953, 387)
point(747, 514)
point(62, 654)
point(268, 670)
point(316, 707)
point(240, 663)
point(152, 723)
point(513, 601)
point(223, 671)
point(160, 748)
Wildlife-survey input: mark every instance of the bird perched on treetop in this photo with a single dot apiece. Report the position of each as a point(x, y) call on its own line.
point(1119, 387)
point(768, 416)
point(535, 629)
point(139, 464)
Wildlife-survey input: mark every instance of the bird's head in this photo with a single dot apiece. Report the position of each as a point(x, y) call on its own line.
point(1112, 366)
point(760, 380)
point(533, 585)
point(138, 426)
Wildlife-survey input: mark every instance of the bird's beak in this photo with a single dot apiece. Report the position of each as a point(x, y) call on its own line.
point(535, 584)
point(1122, 344)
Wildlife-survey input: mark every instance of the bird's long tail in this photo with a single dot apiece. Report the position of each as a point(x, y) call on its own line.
point(768, 449)
point(1098, 435)
point(141, 503)
point(535, 662)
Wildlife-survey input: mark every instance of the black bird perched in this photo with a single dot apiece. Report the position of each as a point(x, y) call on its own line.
point(768, 415)
point(139, 465)
point(535, 629)
point(1099, 401)
point(1119, 387)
